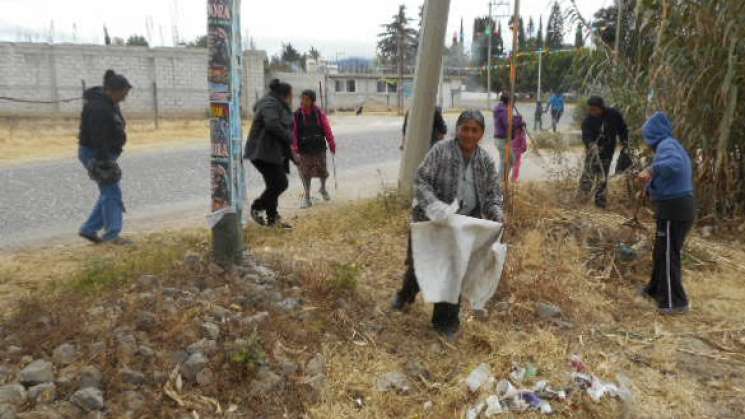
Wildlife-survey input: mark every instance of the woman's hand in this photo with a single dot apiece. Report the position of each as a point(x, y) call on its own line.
point(645, 176)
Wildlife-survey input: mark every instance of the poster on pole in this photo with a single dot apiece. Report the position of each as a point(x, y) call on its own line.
point(224, 82)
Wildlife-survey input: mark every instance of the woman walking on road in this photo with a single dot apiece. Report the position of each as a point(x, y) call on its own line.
point(311, 132)
point(101, 142)
point(269, 148)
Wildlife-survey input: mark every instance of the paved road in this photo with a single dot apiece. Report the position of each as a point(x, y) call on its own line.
point(43, 203)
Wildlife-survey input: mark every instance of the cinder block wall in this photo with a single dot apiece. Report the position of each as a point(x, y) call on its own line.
point(52, 72)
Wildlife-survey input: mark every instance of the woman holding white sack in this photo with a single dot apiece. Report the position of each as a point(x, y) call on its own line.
point(456, 177)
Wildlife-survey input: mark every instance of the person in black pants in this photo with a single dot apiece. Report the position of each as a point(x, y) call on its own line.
point(269, 149)
point(601, 130)
point(670, 185)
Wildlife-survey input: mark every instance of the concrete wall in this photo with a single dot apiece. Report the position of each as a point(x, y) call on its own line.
point(45, 72)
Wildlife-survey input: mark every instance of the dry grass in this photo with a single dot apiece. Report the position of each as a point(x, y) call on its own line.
point(350, 259)
point(24, 139)
point(561, 254)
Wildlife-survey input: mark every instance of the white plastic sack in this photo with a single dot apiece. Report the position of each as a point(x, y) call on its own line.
point(461, 256)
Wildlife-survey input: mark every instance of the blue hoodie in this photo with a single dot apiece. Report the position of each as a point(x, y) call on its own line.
point(673, 172)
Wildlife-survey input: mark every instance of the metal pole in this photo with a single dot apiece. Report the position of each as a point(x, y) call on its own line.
point(489, 31)
point(513, 78)
point(619, 22)
point(540, 69)
point(155, 104)
point(422, 113)
point(226, 162)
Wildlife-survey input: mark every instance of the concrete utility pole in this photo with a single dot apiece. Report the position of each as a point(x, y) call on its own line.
point(513, 79)
point(421, 115)
point(226, 158)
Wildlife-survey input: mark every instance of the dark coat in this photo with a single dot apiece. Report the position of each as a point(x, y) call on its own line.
point(270, 138)
point(102, 126)
point(614, 130)
point(439, 126)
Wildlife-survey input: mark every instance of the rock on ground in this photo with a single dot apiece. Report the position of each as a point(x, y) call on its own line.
point(43, 393)
point(393, 381)
point(265, 381)
point(65, 354)
point(13, 394)
point(89, 399)
point(193, 365)
point(90, 377)
point(37, 372)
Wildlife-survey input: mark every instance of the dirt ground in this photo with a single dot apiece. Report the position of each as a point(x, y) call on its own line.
point(348, 261)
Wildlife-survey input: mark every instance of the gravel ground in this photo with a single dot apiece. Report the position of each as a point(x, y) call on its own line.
point(44, 203)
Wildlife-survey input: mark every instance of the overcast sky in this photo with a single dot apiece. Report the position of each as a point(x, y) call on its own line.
point(344, 27)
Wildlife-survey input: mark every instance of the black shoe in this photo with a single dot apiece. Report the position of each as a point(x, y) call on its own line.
point(642, 291)
point(93, 238)
point(257, 217)
point(277, 222)
point(399, 303)
point(601, 205)
point(450, 333)
point(677, 311)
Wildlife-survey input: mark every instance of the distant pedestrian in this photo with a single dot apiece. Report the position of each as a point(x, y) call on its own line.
point(269, 148)
point(670, 185)
point(603, 128)
point(539, 111)
point(556, 104)
point(501, 128)
point(311, 133)
point(102, 139)
point(519, 145)
point(439, 128)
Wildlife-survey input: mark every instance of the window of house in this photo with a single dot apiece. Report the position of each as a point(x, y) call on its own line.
point(392, 87)
point(351, 86)
point(382, 87)
point(339, 85)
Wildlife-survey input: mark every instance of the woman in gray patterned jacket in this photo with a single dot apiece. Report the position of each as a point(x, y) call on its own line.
point(456, 173)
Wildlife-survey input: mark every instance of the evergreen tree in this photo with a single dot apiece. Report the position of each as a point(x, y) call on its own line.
point(579, 37)
point(522, 40)
point(398, 31)
point(539, 36)
point(555, 28)
point(531, 29)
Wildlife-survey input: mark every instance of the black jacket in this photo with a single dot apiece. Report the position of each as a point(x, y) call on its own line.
point(614, 130)
point(439, 127)
point(102, 126)
point(270, 138)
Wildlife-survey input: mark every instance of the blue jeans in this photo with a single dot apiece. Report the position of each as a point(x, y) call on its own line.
point(109, 209)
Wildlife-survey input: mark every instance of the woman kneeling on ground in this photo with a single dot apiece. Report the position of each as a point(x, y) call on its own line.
point(311, 132)
point(459, 171)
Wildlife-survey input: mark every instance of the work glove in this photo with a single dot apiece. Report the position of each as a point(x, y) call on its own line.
point(439, 211)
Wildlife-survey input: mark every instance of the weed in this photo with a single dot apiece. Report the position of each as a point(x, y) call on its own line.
point(345, 277)
point(250, 356)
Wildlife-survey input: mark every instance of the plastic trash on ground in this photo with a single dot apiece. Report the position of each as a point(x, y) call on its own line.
point(479, 377)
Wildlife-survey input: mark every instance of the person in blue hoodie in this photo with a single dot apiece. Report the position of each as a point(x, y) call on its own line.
point(669, 183)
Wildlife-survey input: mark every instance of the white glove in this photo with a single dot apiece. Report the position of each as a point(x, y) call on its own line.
point(439, 211)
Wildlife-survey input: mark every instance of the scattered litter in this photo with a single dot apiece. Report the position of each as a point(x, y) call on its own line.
point(493, 407)
point(393, 381)
point(479, 377)
point(475, 412)
point(626, 253)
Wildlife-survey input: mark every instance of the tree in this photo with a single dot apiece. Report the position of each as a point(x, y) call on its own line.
point(555, 28)
point(539, 35)
point(397, 45)
point(199, 42)
point(579, 37)
point(106, 37)
point(290, 55)
point(531, 28)
point(522, 40)
point(605, 23)
point(314, 53)
point(137, 41)
point(117, 41)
